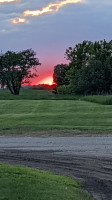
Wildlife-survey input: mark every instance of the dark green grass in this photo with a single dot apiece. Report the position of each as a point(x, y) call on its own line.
point(100, 99)
point(31, 116)
point(26, 94)
point(31, 94)
point(22, 183)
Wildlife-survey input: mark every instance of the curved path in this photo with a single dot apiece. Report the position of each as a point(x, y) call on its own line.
point(84, 158)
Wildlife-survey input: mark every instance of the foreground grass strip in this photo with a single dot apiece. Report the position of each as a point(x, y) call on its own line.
point(22, 183)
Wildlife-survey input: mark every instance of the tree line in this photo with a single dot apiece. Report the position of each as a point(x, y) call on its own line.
point(89, 70)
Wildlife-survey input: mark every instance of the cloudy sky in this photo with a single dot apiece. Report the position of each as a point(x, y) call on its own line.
point(51, 26)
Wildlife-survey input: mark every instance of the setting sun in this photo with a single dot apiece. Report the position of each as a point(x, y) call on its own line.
point(50, 83)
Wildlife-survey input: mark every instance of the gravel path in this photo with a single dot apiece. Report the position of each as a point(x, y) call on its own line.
point(84, 158)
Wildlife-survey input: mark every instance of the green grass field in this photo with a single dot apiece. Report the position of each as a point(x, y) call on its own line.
point(27, 116)
point(31, 94)
point(100, 99)
point(22, 183)
point(41, 111)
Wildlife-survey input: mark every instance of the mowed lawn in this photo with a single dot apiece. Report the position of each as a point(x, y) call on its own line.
point(21, 116)
point(30, 184)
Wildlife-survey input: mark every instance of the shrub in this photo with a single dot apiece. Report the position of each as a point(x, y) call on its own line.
point(64, 89)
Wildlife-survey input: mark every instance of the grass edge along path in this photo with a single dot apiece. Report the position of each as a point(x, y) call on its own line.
point(17, 182)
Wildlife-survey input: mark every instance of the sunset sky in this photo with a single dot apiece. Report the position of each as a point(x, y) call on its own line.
point(49, 27)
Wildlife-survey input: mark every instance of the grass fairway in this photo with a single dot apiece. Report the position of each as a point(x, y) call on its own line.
point(22, 183)
point(24, 116)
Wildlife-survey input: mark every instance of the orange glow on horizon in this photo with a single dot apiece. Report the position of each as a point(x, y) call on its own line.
point(48, 80)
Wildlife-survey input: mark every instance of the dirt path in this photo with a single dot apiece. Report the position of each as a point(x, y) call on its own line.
point(94, 170)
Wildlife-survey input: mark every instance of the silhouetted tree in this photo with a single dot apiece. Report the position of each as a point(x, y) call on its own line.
point(17, 68)
point(80, 54)
point(90, 67)
point(59, 75)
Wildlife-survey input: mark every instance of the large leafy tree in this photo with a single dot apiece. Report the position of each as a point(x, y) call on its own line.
point(91, 67)
point(80, 54)
point(17, 68)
